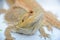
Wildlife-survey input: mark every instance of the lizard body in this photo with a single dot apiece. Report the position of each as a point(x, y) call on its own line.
point(32, 17)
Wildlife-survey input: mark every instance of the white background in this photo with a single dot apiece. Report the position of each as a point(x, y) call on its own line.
point(48, 5)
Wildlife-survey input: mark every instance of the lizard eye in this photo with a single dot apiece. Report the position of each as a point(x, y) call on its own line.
point(23, 20)
point(31, 12)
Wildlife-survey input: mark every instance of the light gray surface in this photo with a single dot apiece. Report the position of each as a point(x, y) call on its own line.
point(48, 5)
point(1, 3)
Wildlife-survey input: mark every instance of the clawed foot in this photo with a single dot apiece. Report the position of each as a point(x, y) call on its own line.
point(45, 36)
point(9, 39)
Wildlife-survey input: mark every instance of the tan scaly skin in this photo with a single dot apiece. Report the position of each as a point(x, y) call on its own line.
point(30, 11)
point(48, 15)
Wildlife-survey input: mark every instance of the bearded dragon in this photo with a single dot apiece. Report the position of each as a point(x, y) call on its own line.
point(27, 16)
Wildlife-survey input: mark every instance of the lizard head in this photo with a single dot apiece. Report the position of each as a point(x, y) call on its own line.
point(15, 14)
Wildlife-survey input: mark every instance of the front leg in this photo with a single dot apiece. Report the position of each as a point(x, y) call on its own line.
point(10, 2)
point(7, 33)
point(47, 24)
point(43, 34)
point(3, 11)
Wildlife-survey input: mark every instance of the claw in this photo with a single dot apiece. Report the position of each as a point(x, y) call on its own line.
point(9, 39)
point(46, 36)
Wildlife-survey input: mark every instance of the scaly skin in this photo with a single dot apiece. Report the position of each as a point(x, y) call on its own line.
point(31, 10)
point(49, 18)
point(10, 2)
